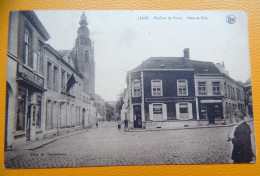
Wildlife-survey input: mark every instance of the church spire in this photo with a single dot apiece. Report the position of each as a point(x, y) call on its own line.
point(83, 20)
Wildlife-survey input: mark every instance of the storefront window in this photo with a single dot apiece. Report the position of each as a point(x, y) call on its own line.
point(20, 110)
point(38, 117)
point(157, 109)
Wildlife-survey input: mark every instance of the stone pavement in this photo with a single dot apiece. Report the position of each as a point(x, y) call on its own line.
point(106, 146)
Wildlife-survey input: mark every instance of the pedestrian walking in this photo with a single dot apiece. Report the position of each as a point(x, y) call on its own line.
point(97, 124)
point(242, 147)
point(119, 125)
point(126, 125)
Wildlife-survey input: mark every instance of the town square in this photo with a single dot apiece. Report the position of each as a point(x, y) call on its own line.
point(139, 88)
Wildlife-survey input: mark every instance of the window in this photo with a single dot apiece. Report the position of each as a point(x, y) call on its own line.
point(202, 88)
point(49, 110)
point(86, 56)
point(157, 88)
point(233, 93)
point(216, 88)
point(182, 87)
point(20, 119)
point(27, 47)
point(38, 117)
point(55, 78)
point(225, 89)
point(35, 61)
point(229, 92)
point(83, 42)
point(49, 74)
point(238, 94)
point(62, 79)
point(157, 108)
point(136, 88)
point(184, 111)
point(76, 54)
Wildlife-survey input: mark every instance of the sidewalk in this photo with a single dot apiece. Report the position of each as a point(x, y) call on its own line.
point(181, 128)
point(38, 144)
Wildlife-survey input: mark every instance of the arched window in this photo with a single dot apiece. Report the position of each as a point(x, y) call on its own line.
point(136, 88)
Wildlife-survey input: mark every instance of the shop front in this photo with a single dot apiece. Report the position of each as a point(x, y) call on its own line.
point(29, 104)
point(211, 110)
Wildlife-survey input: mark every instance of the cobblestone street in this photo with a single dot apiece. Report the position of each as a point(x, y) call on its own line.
point(106, 146)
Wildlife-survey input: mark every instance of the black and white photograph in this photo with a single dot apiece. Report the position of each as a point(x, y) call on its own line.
point(128, 87)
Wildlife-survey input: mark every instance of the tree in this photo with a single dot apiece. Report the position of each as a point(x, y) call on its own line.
point(109, 112)
point(120, 102)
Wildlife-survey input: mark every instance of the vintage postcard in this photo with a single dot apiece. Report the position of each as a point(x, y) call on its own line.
point(113, 88)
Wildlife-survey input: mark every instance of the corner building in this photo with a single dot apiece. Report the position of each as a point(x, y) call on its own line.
point(179, 92)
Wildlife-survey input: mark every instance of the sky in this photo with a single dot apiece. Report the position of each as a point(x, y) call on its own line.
point(123, 39)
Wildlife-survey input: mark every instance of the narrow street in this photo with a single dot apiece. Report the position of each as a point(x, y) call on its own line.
point(106, 146)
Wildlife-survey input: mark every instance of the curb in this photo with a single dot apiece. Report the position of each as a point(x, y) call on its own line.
point(184, 128)
point(42, 143)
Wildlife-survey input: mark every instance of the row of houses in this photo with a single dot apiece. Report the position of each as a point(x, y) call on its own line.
point(49, 92)
point(178, 91)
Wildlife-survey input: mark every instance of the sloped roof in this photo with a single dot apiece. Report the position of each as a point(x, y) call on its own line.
point(164, 63)
point(32, 17)
point(248, 82)
point(199, 67)
point(63, 52)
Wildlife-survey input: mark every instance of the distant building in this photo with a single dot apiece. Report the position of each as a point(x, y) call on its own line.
point(100, 108)
point(49, 92)
point(177, 91)
point(248, 97)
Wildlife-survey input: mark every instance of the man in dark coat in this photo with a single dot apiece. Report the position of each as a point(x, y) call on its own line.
point(242, 148)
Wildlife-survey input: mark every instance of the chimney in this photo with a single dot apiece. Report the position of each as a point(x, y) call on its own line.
point(186, 53)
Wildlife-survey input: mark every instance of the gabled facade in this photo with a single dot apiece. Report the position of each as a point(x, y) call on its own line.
point(177, 91)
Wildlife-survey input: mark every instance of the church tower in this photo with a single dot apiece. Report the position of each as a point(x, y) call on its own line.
point(84, 55)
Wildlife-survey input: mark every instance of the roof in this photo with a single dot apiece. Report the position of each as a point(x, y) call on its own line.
point(37, 24)
point(248, 82)
point(63, 52)
point(164, 63)
point(201, 67)
point(178, 63)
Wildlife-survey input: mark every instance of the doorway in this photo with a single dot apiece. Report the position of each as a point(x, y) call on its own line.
point(137, 116)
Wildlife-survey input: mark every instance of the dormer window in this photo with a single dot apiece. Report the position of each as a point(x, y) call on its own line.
point(136, 88)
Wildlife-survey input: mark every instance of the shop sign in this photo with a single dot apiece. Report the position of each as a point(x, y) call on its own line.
point(157, 109)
